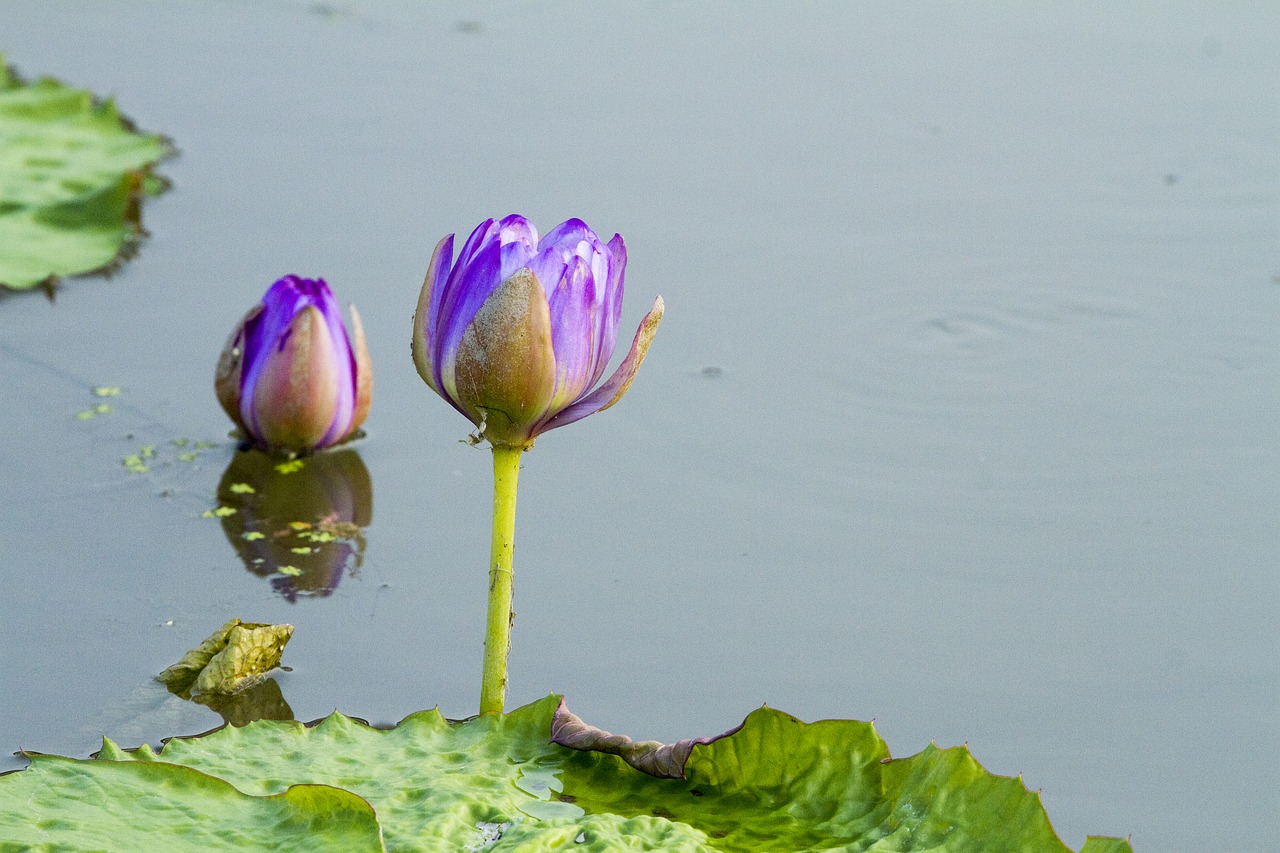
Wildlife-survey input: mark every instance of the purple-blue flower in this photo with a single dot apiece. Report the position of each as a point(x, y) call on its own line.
point(289, 376)
point(518, 331)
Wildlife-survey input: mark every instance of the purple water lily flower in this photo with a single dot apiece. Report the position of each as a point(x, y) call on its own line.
point(517, 332)
point(289, 376)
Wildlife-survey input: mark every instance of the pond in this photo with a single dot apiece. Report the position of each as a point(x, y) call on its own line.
point(962, 416)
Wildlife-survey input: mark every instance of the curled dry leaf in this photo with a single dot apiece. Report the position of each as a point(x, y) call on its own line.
point(664, 760)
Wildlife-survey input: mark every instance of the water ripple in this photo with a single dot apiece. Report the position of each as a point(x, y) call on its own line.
point(973, 345)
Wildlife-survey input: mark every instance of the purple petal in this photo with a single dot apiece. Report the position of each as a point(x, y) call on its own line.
point(427, 318)
point(573, 307)
point(344, 373)
point(567, 233)
point(515, 255)
point(548, 266)
point(479, 235)
point(516, 227)
point(519, 241)
point(617, 384)
point(573, 237)
point(610, 307)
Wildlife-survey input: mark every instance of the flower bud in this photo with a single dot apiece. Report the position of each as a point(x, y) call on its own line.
point(289, 376)
point(517, 333)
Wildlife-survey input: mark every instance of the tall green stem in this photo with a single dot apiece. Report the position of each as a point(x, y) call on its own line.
point(497, 636)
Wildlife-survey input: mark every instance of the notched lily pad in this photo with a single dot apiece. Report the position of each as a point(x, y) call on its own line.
point(73, 172)
point(235, 657)
point(498, 783)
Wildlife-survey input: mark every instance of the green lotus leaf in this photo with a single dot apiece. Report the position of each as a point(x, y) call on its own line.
point(233, 658)
point(500, 783)
point(72, 171)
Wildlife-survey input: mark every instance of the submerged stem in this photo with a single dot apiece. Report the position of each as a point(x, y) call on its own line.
point(497, 637)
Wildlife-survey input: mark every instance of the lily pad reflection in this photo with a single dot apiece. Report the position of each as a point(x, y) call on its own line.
point(300, 524)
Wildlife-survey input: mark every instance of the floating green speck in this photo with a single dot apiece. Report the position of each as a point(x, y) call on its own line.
point(300, 550)
point(85, 415)
point(206, 445)
point(102, 409)
point(106, 391)
point(189, 457)
point(147, 451)
point(219, 512)
point(291, 571)
point(253, 536)
point(180, 442)
point(242, 489)
point(290, 467)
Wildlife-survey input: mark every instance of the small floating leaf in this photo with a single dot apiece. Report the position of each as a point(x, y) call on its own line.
point(189, 457)
point(291, 571)
point(106, 391)
point(85, 415)
point(180, 442)
point(219, 512)
point(134, 465)
point(102, 409)
point(290, 467)
point(242, 489)
point(232, 658)
point(253, 536)
point(300, 550)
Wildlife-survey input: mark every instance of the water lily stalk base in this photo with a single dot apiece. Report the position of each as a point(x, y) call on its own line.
point(497, 638)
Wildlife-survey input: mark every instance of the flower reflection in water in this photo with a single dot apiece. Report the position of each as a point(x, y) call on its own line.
point(299, 522)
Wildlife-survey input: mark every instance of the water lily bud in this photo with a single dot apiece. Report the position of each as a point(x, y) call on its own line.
point(518, 331)
point(289, 376)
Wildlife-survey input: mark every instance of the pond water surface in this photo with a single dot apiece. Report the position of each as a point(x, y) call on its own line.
point(963, 416)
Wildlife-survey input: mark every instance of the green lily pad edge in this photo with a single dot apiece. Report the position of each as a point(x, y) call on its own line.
point(499, 782)
point(73, 173)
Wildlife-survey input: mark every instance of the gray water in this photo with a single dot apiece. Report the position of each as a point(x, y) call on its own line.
point(962, 417)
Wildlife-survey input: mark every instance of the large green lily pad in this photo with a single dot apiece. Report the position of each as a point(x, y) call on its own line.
point(500, 783)
point(72, 173)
